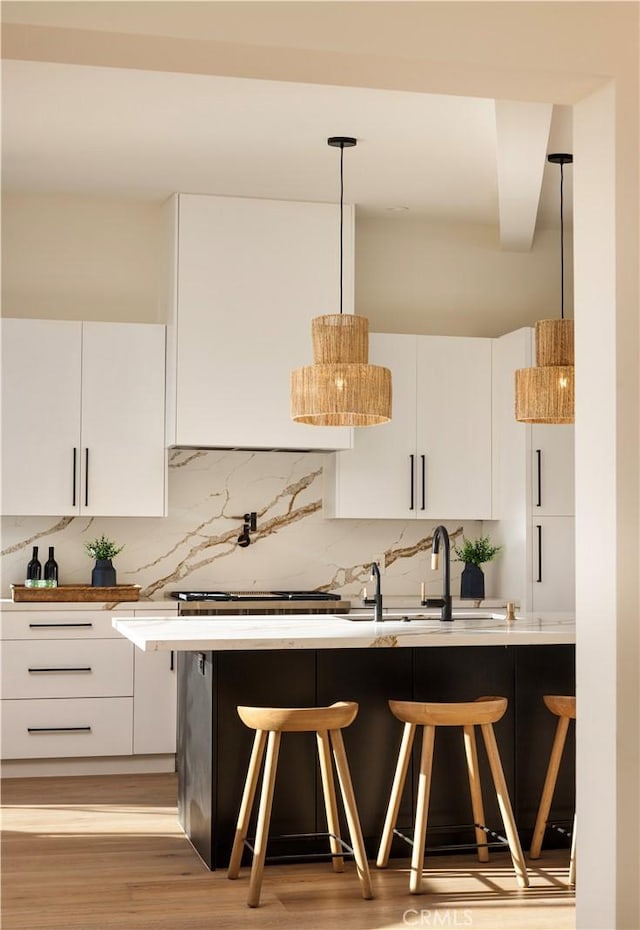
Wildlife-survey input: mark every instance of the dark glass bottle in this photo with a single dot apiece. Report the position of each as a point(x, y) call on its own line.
point(34, 568)
point(51, 568)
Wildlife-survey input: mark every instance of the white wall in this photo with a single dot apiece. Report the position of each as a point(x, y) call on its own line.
point(419, 276)
point(79, 258)
point(73, 257)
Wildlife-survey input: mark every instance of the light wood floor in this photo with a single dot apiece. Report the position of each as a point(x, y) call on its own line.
point(98, 853)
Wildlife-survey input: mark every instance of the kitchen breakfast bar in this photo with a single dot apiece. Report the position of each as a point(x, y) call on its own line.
point(307, 660)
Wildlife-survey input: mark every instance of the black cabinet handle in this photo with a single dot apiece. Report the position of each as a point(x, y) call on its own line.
point(172, 661)
point(412, 480)
point(56, 626)
point(58, 729)
point(60, 668)
point(423, 459)
point(86, 477)
point(539, 467)
point(75, 474)
point(539, 530)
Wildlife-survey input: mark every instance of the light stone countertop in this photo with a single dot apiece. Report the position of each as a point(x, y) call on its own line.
point(329, 631)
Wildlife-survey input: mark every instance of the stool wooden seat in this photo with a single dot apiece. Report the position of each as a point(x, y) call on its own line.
point(564, 708)
point(483, 712)
point(269, 723)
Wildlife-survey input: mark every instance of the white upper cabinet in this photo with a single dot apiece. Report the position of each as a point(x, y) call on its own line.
point(377, 478)
point(41, 371)
point(249, 277)
point(553, 469)
point(83, 418)
point(454, 426)
point(433, 460)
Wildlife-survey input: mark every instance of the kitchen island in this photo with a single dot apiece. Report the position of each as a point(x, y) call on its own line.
point(310, 660)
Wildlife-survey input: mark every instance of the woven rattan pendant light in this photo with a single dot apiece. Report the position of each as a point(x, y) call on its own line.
point(341, 388)
point(546, 393)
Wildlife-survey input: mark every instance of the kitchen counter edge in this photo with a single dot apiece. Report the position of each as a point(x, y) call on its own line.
point(328, 631)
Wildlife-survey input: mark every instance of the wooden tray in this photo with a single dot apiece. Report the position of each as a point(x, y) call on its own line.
point(76, 592)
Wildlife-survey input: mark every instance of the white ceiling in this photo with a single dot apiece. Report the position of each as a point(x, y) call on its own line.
point(144, 134)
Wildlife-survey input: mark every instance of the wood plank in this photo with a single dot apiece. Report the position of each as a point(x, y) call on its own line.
point(76, 592)
point(106, 853)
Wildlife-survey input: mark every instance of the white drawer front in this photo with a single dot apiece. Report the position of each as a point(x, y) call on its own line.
point(57, 669)
point(58, 624)
point(58, 729)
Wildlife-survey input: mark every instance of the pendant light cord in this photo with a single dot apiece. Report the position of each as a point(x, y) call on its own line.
point(341, 223)
point(561, 242)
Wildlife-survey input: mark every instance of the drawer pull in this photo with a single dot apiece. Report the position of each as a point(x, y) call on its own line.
point(60, 668)
point(75, 467)
point(412, 481)
point(57, 626)
point(539, 529)
point(58, 729)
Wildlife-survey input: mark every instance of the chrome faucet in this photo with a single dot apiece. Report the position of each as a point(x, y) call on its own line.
point(377, 600)
point(440, 533)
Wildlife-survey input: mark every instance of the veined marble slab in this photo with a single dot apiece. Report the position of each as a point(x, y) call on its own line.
point(300, 631)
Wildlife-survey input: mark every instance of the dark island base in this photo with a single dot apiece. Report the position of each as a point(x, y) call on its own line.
point(214, 746)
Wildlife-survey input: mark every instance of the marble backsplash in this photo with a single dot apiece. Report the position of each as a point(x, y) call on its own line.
point(196, 545)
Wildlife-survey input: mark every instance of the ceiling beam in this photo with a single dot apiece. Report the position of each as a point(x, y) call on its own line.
point(522, 135)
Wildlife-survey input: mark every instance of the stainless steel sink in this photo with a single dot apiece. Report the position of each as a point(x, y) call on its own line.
point(409, 616)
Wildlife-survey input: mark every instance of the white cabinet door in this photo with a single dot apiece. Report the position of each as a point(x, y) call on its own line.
point(83, 418)
point(454, 427)
point(553, 568)
point(377, 478)
point(251, 276)
point(41, 366)
point(433, 460)
point(67, 669)
point(552, 483)
point(46, 729)
point(154, 702)
point(123, 457)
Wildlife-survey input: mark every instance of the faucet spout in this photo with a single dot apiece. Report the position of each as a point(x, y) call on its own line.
point(376, 601)
point(440, 534)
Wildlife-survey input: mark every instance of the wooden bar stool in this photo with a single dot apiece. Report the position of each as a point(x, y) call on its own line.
point(269, 723)
point(564, 707)
point(483, 712)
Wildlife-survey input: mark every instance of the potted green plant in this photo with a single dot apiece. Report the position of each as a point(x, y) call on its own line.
point(474, 553)
point(103, 550)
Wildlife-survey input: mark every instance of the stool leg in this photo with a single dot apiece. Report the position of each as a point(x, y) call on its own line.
point(471, 751)
point(248, 795)
point(505, 805)
point(351, 810)
point(572, 861)
point(399, 779)
point(549, 787)
point(330, 803)
point(422, 809)
point(264, 816)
